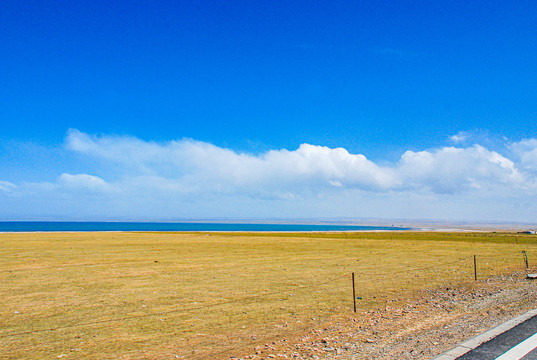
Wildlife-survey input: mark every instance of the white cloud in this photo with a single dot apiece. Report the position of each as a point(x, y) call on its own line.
point(7, 187)
point(460, 137)
point(526, 151)
point(195, 162)
point(188, 165)
point(452, 170)
point(83, 181)
point(189, 178)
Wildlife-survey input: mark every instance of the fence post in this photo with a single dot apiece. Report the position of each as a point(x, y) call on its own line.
point(475, 268)
point(526, 260)
point(353, 293)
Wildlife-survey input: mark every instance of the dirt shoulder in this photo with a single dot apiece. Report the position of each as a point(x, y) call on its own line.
point(434, 322)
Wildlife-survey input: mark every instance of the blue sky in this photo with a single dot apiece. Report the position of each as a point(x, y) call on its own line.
point(232, 86)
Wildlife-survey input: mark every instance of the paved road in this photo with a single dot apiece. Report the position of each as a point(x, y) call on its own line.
point(518, 343)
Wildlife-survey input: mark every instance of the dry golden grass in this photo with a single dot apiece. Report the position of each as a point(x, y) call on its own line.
point(157, 295)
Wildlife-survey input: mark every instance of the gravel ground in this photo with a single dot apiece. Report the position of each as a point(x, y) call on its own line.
point(434, 322)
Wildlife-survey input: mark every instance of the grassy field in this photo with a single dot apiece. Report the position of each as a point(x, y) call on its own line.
point(162, 295)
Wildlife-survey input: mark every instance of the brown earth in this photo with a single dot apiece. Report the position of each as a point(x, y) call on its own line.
point(434, 322)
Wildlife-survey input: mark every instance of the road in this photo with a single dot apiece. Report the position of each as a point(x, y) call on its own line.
point(518, 343)
point(514, 340)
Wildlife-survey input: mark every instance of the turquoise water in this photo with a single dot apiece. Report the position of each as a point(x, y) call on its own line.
point(29, 226)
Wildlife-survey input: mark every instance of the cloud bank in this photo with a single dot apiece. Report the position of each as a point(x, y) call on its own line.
point(188, 177)
point(311, 167)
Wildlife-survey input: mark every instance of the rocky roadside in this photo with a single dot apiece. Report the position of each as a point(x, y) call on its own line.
point(434, 322)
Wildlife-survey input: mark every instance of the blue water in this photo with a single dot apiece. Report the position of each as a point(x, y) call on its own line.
point(29, 226)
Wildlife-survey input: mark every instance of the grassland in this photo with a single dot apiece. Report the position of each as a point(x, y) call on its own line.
point(162, 295)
